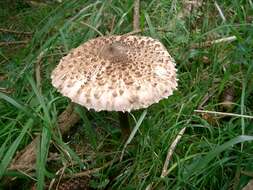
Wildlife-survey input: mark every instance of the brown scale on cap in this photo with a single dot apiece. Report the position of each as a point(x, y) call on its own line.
point(119, 73)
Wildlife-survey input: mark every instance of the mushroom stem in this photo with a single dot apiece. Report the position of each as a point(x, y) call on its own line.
point(124, 124)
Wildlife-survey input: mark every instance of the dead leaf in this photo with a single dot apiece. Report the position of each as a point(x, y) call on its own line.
point(249, 186)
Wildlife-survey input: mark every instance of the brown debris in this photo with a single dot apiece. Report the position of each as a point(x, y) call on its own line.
point(211, 119)
point(4, 30)
point(6, 90)
point(228, 97)
point(249, 186)
point(26, 159)
point(23, 42)
point(69, 184)
point(67, 119)
point(74, 184)
point(189, 7)
point(3, 77)
point(209, 43)
point(38, 71)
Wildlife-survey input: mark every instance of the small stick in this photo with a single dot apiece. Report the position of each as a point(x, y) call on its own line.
point(247, 173)
point(112, 24)
point(14, 43)
point(170, 152)
point(89, 172)
point(38, 70)
point(54, 179)
point(6, 90)
point(3, 30)
point(224, 113)
point(149, 187)
point(220, 11)
point(226, 39)
point(136, 21)
point(207, 96)
point(209, 43)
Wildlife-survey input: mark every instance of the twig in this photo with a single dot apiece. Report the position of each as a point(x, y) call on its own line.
point(220, 11)
point(209, 43)
point(170, 152)
point(247, 173)
point(3, 30)
point(37, 3)
point(6, 90)
point(61, 171)
point(149, 187)
point(14, 43)
point(112, 24)
point(38, 70)
point(204, 100)
point(207, 96)
point(89, 172)
point(224, 113)
point(226, 39)
point(136, 21)
point(26, 174)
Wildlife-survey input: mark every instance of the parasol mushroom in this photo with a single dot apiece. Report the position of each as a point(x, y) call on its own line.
point(116, 73)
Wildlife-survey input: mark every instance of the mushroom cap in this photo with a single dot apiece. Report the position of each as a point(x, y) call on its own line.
point(116, 73)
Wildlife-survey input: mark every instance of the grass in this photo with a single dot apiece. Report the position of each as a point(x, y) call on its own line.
point(215, 152)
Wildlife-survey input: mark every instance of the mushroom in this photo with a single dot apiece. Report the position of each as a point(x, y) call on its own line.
point(116, 73)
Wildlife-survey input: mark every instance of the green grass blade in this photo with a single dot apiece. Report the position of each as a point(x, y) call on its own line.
point(64, 40)
point(16, 104)
point(42, 102)
point(72, 154)
point(212, 154)
point(138, 124)
point(120, 22)
point(45, 138)
point(150, 25)
point(3, 147)
point(42, 157)
point(12, 149)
